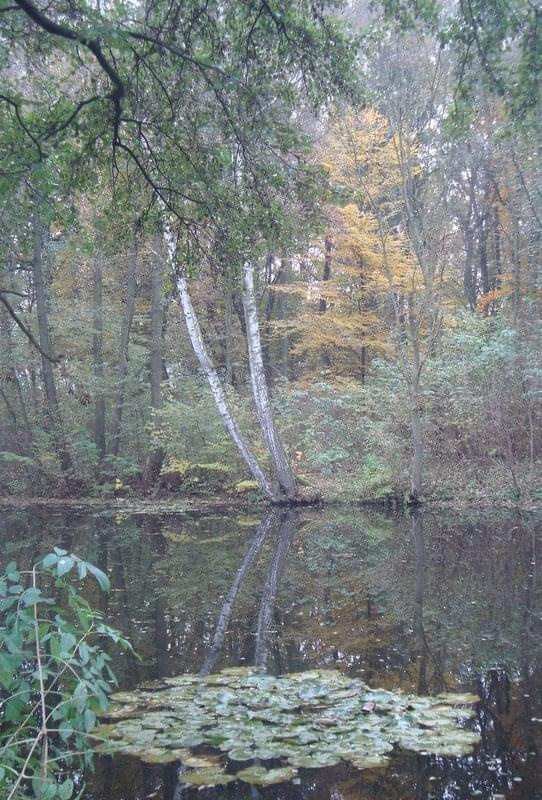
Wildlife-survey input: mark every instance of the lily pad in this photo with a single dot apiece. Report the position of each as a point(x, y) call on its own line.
point(310, 720)
point(203, 778)
point(259, 776)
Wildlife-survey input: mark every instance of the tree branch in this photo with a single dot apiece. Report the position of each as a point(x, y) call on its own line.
point(28, 333)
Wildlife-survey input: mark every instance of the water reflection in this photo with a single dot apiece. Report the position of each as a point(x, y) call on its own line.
point(425, 602)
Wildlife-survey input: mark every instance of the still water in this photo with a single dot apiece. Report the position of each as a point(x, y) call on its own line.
point(427, 603)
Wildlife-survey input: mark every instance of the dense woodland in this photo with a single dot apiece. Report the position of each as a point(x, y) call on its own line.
point(285, 249)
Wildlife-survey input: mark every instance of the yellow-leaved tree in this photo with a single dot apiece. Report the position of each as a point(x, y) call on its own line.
point(381, 291)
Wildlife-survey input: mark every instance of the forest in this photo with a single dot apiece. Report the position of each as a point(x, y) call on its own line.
point(270, 399)
point(282, 250)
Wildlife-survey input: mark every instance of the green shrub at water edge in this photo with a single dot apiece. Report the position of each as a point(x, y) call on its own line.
point(54, 675)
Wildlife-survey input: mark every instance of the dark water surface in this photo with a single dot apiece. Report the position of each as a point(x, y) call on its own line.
point(428, 603)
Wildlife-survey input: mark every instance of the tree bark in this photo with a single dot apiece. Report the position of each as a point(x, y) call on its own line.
point(260, 391)
point(326, 276)
point(54, 418)
point(122, 362)
point(14, 379)
point(156, 455)
point(97, 354)
point(284, 344)
point(217, 391)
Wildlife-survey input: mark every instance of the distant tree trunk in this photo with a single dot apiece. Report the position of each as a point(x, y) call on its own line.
point(217, 391)
point(156, 456)
point(284, 344)
point(326, 275)
point(11, 411)
point(228, 340)
point(225, 612)
point(484, 270)
point(122, 362)
point(97, 354)
point(54, 418)
point(322, 305)
point(260, 391)
point(268, 314)
point(14, 379)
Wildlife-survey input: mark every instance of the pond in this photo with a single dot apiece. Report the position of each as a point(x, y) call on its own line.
point(428, 603)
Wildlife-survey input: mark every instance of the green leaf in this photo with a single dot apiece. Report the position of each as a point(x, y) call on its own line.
point(65, 790)
point(100, 576)
point(84, 652)
point(50, 560)
point(64, 565)
point(67, 643)
point(80, 697)
point(31, 596)
point(60, 552)
point(8, 665)
point(89, 719)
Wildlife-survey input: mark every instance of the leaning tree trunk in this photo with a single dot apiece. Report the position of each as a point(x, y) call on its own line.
point(217, 391)
point(122, 363)
point(54, 418)
point(156, 454)
point(260, 391)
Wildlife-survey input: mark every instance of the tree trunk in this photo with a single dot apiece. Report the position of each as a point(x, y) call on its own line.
point(228, 340)
point(328, 248)
point(260, 392)
point(417, 445)
point(326, 276)
point(217, 391)
point(122, 362)
point(97, 355)
point(284, 344)
point(54, 418)
point(5, 327)
point(156, 455)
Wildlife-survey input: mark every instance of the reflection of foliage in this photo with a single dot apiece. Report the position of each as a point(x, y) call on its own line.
point(54, 675)
point(309, 719)
point(347, 591)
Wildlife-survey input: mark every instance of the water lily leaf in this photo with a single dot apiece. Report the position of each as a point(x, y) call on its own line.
point(259, 776)
point(155, 755)
point(198, 762)
point(242, 754)
point(212, 776)
point(246, 715)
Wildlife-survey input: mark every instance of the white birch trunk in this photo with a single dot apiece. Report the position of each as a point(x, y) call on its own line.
point(198, 345)
point(260, 391)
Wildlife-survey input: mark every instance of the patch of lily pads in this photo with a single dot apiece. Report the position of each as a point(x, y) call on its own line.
point(310, 719)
